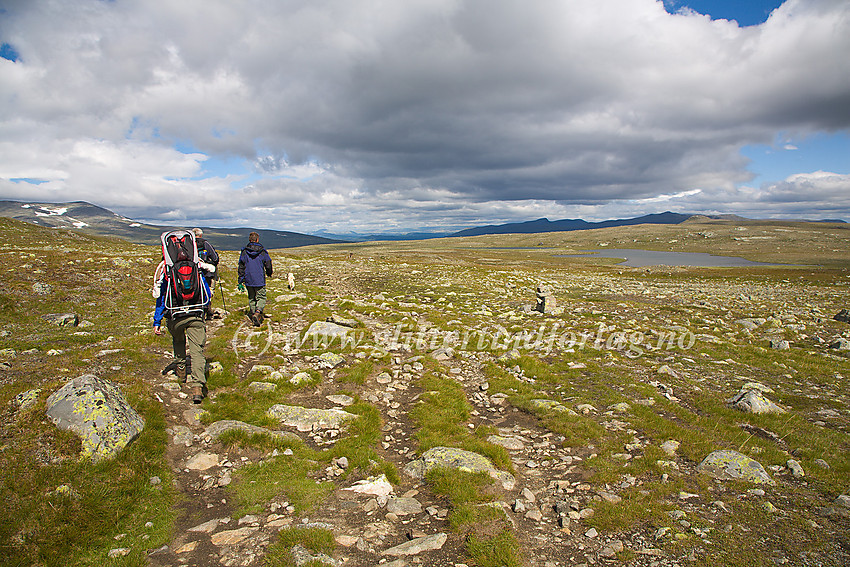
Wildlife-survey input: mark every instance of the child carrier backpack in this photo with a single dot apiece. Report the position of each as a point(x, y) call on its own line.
point(186, 292)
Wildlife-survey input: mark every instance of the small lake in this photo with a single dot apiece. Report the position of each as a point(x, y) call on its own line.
point(641, 258)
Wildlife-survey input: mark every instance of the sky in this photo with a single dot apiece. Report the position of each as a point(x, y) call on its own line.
point(379, 116)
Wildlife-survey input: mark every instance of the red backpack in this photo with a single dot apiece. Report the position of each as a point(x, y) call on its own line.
point(186, 292)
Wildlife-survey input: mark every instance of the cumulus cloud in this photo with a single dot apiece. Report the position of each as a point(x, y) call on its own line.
point(439, 113)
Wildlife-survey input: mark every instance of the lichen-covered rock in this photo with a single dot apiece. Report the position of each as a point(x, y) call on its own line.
point(62, 319)
point(753, 401)
point(330, 360)
point(309, 419)
point(25, 400)
point(731, 465)
point(545, 404)
point(215, 430)
point(301, 378)
point(97, 411)
point(451, 457)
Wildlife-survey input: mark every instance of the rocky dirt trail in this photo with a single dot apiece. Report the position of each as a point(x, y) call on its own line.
point(545, 508)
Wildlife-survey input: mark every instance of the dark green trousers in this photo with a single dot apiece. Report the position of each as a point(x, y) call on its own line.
point(256, 298)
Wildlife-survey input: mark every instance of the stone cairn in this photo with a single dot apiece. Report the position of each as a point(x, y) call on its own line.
point(545, 299)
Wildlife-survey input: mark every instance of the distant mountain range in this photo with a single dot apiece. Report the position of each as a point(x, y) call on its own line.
point(528, 227)
point(545, 225)
point(103, 222)
point(97, 220)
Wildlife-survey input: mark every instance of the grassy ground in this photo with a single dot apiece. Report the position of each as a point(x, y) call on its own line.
point(655, 353)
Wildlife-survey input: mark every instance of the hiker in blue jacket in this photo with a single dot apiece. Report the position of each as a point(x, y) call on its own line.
point(254, 265)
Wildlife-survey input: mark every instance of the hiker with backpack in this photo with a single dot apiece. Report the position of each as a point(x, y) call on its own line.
point(254, 265)
point(207, 254)
point(182, 297)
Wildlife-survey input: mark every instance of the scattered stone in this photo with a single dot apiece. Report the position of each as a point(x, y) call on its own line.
point(753, 401)
point(731, 465)
point(552, 405)
point(418, 545)
point(182, 435)
point(843, 316)
point(840, 344)
point(795, 468)
point(62, 319)
point(326, 329)
point(302, 556)
point(301, 378)
point(340, 400)
point(339, 320)
point(119, 552)
point(403, 506)
point(205, 528)
point(202, 461)
point(452, 457)
point(443, 353)
point(310, 419)
point(42, 288)
point(330, 360)
point(231, 537)
point(215, 430)
point(261, 369)
point(609, 497)
point(375, 486)
point(509, 443)
point(670, 447)
point(262, 387)
point(97, 411)
point(25, 400)
point(779, 344)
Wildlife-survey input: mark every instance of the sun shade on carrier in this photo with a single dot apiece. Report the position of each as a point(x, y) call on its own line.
point(186, 290)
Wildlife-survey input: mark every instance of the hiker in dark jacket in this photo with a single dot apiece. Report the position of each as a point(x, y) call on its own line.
point(254, 265)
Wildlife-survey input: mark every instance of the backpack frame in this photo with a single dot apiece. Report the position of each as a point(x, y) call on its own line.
point(185, 290)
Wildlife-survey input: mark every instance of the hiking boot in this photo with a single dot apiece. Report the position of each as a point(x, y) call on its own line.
point(180, 371)
point(197, 394)
point(257, 318)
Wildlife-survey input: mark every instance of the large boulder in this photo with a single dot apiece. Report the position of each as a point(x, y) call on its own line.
point(731, 465)
point(96, 410)
point(453, 458)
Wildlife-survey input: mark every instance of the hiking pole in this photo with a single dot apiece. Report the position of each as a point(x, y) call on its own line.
point(222, 297)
